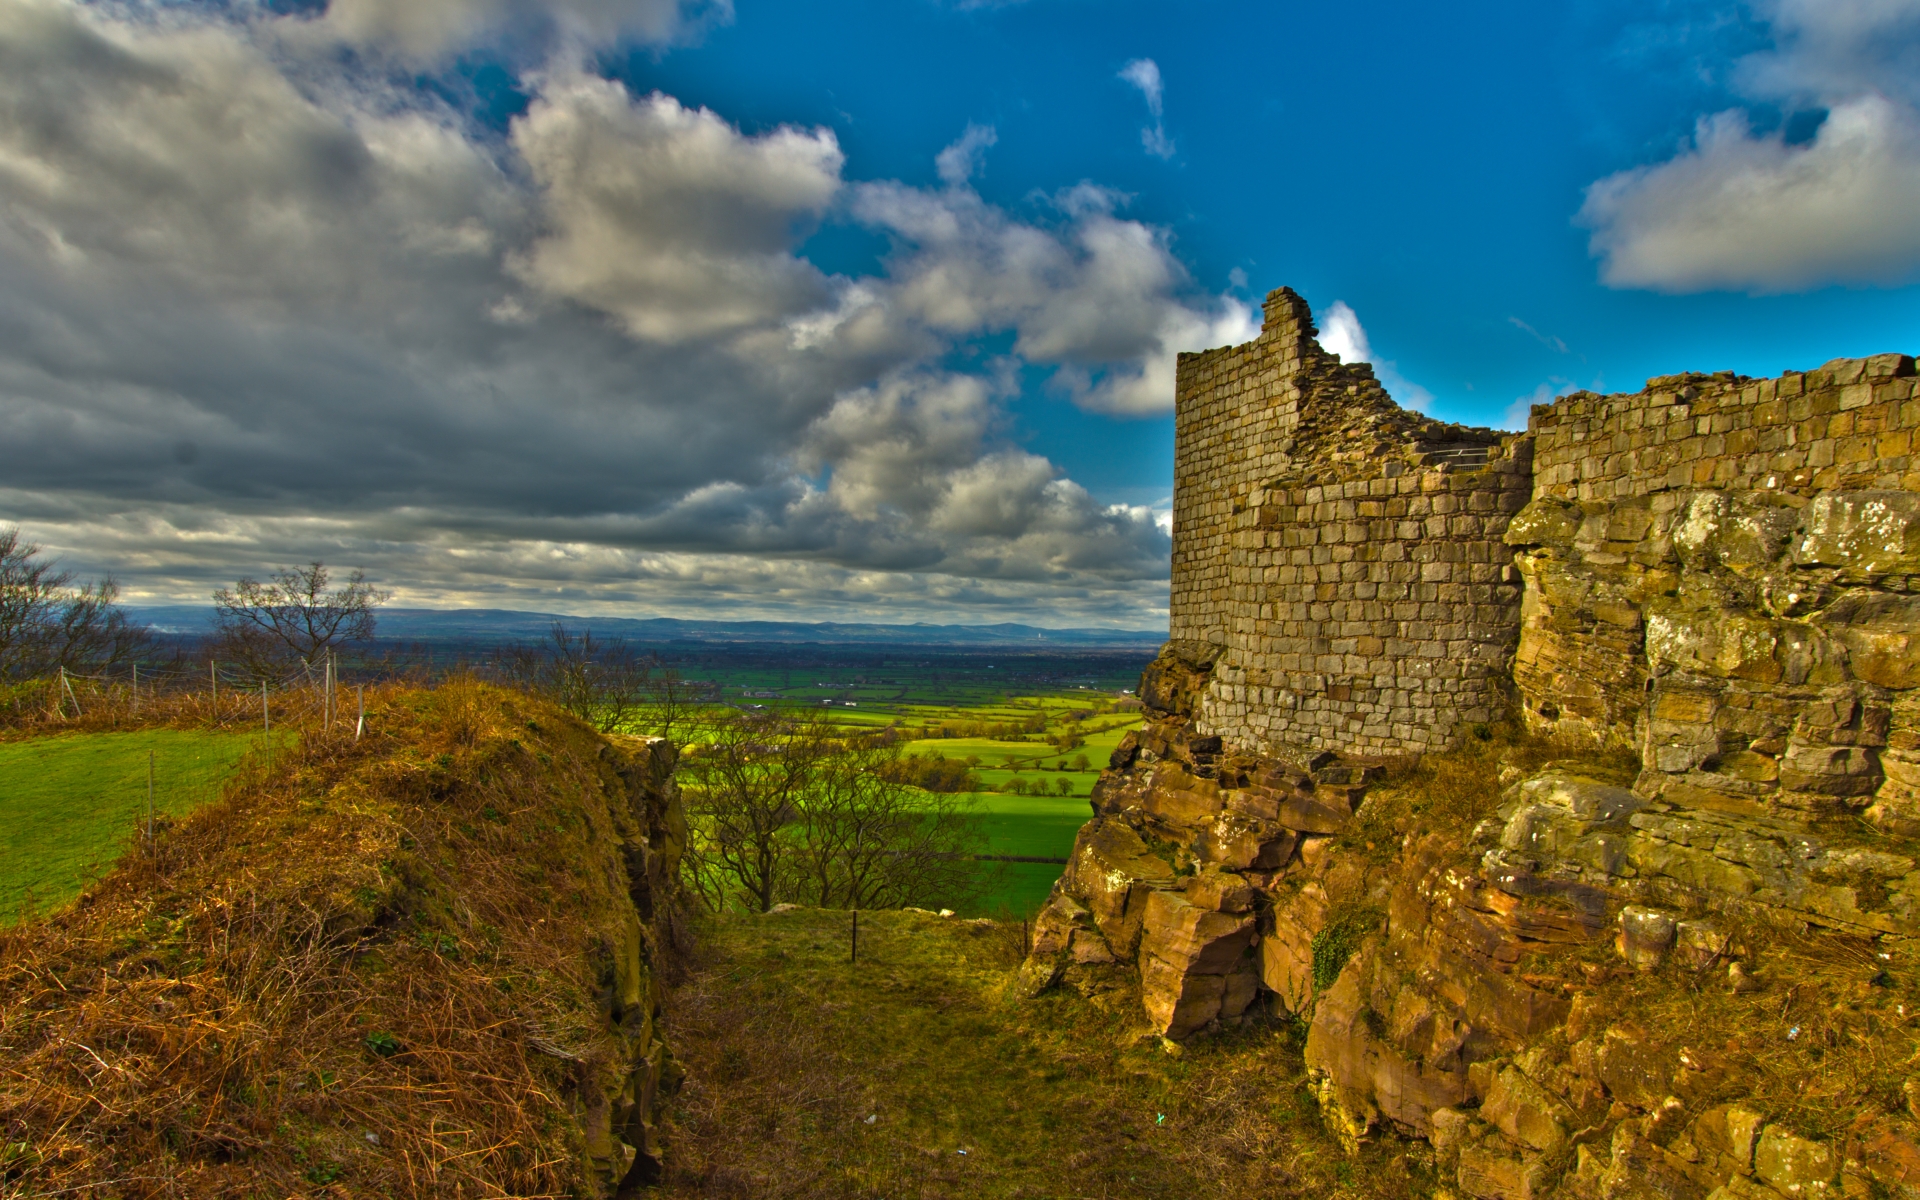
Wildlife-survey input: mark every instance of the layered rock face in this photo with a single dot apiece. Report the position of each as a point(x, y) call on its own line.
point(1704, 605)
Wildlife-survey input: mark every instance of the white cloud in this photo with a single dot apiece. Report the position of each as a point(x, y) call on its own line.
point(1735, 209)
point(1341, 334)
point(961, 161)
point(424, 30)
point(668, 217)
point(1144, 74)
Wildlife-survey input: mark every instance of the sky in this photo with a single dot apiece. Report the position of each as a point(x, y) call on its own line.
point(865, 309)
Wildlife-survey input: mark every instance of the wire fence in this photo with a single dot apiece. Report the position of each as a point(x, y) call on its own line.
point(214, 695)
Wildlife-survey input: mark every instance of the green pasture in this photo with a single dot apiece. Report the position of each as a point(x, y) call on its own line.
point(1038, 826)
point(72, 804)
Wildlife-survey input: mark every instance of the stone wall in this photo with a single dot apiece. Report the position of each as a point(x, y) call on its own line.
point(1570, 987)
point(1724, 571)
point(1344, 554)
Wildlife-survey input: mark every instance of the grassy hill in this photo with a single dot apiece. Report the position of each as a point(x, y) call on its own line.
point(917, 1072)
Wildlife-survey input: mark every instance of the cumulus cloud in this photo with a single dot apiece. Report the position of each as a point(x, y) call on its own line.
point(1093, 295)
point(1144, 74)
point(423, 30)
point(253, 312)
point(1740, 209)
point(667, 217)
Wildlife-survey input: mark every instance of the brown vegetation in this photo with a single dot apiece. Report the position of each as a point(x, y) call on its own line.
point(382, 966)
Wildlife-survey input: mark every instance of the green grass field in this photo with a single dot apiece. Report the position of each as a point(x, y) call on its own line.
point(70, 805)
point(1038, 826)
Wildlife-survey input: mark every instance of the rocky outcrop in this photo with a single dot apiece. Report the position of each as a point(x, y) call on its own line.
point(1561, 989)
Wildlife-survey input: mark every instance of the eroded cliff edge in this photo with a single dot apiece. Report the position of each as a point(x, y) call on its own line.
point(1562, 784)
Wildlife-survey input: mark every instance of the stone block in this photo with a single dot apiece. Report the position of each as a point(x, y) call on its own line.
point(1646, 936)
point(1796, 1166)
point(1526, 1112)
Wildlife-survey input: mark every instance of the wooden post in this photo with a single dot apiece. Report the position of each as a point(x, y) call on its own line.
point(266, 723)
point(854, 955)
point(213, 677)
point(136, 687)
point(150, 845)
point(360, 726)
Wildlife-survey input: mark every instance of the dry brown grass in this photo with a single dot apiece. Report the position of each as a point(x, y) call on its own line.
point(333, 980)
point(789, 1048)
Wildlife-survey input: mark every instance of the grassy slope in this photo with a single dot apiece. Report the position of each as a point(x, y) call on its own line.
point(327, 981)
point(71, 804)
point(790, 1049)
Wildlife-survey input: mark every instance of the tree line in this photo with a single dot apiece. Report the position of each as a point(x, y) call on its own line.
point(781, 807)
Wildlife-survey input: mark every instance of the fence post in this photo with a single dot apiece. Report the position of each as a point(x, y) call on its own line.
point(360, 726)
point(136, 687)
point(150, 846)
point(266, 724)
point(854, 955)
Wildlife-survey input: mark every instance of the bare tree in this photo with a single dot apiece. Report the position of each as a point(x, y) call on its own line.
point(803, 810)
point(745, 786)
point(603, 681)
point(47, 623)
point(294, 617)
point(868, 839)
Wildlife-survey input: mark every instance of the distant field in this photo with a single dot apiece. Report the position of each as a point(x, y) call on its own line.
point(1038, 826)
point(70, 805)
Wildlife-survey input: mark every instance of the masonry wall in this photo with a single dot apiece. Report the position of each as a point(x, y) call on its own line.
point(1345, 554)
point(1726, 571)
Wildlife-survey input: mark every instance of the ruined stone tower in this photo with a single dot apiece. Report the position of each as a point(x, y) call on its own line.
point(1343, 555)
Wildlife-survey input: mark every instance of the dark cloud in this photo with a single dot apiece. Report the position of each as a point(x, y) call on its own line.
point(256, 306)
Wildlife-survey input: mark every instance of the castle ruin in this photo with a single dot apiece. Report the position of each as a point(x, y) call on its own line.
point(1705, 594)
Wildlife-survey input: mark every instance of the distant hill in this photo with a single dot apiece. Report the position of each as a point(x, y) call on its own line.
point(500, 625)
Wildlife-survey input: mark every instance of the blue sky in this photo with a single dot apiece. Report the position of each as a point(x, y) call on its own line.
point(865, 310)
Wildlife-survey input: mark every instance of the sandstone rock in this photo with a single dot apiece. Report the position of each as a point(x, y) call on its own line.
point(1193, 939)
point(1286, 953)
point(1177, 1002)
point(1741, 1188)
point(1054, 925)
point(1698, 945)
point(1314, 851)
point(1326, 811)
point(1238, 843)
point(1544, 522)
point(1636, 1068)
point(1881, 632)
point(1865, 534)
point(1489, 1174)
point(1183, 802)
point(1114, 872)
point(1090, 949)
point(1646, 936)
point(1365, 1073)
point(1642, 1168)
point(1221, 891)
point(1795, 1165)
point(1526, 1112)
